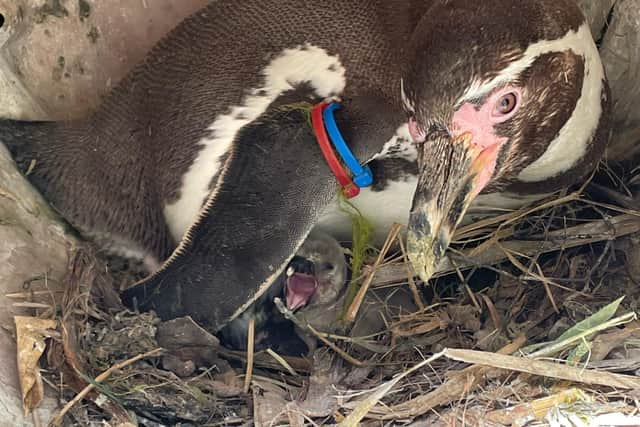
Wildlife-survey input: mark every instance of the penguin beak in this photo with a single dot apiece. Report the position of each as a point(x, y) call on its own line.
point(452, 171)
point(300, 289)
point(301, 283)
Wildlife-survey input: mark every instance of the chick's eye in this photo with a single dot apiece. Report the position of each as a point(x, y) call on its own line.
point(327, 266)
point(506, 104)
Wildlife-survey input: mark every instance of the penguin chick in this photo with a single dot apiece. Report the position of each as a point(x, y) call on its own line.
point(314, 280)
point(326, 303)
point(330, 271)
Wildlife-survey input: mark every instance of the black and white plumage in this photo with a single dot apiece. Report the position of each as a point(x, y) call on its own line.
point(197, 159)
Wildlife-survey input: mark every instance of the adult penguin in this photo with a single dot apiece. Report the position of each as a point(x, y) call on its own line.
point(205, 157)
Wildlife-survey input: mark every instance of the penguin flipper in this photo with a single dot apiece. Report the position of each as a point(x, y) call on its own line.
point(273, 188)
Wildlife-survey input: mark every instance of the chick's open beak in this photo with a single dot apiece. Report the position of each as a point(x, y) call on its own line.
point(300, 283)
point(452, 171)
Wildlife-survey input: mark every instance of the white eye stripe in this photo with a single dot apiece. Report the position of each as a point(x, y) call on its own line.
point(408, 105)
point(574, 138)
point(580, 42)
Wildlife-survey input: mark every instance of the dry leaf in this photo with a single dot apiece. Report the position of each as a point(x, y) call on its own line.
point(31, 333)
point(269, 405)
point(423, 327)
point(466, 316)
point(604, 344)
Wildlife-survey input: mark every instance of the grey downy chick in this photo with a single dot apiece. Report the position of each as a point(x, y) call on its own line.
point(325, 305)
point(313, 282)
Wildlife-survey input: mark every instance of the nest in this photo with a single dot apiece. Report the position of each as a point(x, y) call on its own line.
point(529, 321)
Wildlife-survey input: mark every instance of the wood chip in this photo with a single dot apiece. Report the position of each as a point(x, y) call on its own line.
point(534, 410)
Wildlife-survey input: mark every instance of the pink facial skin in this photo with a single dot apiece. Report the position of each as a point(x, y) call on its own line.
point(414, 130)
point(480, 123)
point(499, 107)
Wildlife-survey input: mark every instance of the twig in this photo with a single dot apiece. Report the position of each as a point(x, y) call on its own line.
point(459, 383)
point(346, 356)
point(511, 217)
point(250, 355)
point(31, 305)
point(30, 294)
point(288, 314)
point(544, 368)
point(351, 314)
point(540, 277)
point(365, 406)
point(547, 288)
point(537, 408)
point(282, 362)
point(100, 378)
point(495, 316)
point(580, 235)
point(412, 283)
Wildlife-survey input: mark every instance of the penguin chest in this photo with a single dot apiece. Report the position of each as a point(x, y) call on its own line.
point(389, 200)
point(383, 208)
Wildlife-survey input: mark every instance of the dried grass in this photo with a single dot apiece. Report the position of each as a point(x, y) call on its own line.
point(522, 325)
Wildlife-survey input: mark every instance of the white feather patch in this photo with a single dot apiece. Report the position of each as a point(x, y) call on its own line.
point(381, 208)
point(400, 145)
point(393, 205)
point(408, 105)
point(291, 67)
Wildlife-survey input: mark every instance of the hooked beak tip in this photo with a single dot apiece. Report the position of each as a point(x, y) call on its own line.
point(419, 258)
point(425, 253)
point(424, 249)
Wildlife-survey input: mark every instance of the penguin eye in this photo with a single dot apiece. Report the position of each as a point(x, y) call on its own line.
point(506, 104)
point(327, 266)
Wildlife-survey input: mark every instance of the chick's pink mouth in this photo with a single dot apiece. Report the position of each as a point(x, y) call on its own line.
point(300, 287)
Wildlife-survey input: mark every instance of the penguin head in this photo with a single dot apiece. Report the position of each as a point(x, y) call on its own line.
point(496, 92)
point(317, 274)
